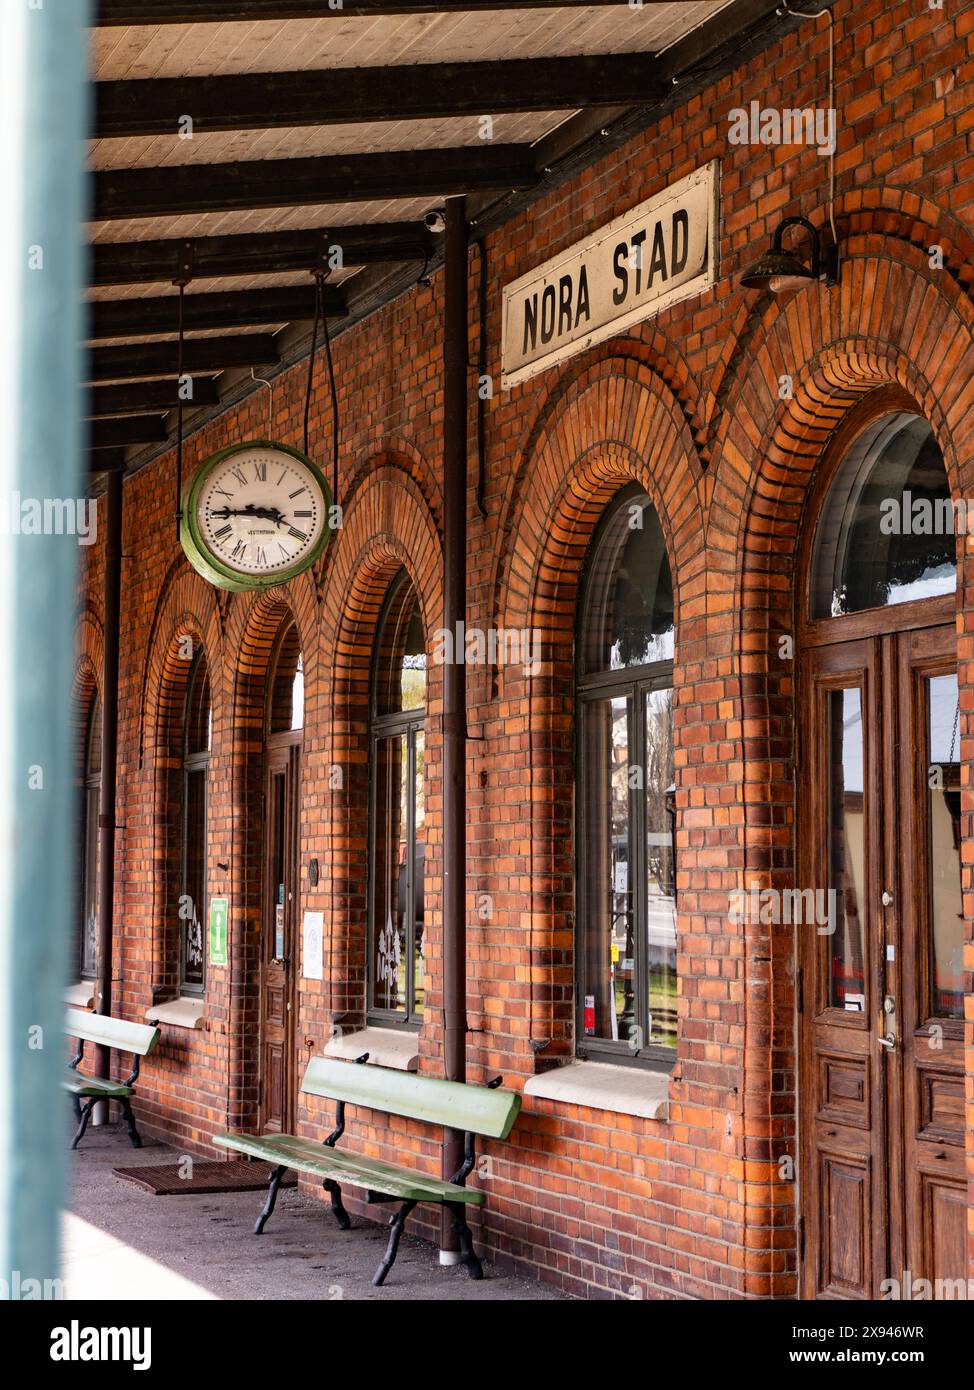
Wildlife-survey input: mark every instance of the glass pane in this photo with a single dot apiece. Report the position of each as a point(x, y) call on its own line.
point(661, 868)
point(93, 750)
point(89, 921)
point(276, 945)
point(192, 907)
point(401, 653)
point(887, 530)
point(419, 859)
point(389, 874)
point(609, 1003)
point(946, 902)
point(198, 726)
point(627, 608)
point(287, 687)
point(847, 852)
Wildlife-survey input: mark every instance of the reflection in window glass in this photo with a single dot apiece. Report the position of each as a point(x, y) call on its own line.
point(847, 862)
point(944, 829)
point(90, 845)
point(626, 783)
point(398, 849)
point(286, 711)
point(628, 601)
point(197, 736)
point(886, 533)
point(610, 957)
point(660, 868)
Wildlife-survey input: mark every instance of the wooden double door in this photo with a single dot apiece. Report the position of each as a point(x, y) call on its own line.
point(883, 1188)
point(279, 932)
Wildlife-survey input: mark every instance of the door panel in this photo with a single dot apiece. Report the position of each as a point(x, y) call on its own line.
point(843, 1118)
point(881, 1029)
point(278, 927)
point(932, 978)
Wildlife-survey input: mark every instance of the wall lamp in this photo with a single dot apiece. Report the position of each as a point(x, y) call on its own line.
point(779, 270)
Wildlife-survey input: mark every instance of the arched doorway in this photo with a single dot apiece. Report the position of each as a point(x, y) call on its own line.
point(283, 729)
point(879, 940)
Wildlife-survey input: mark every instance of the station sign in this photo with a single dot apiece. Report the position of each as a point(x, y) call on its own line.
point(660, 252)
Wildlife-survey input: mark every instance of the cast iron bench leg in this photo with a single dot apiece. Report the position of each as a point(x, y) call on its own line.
point(468, 1256)
point(134, 1135)
point(335, 1193)
point(85, 1117)
point(397, 1224)
point(275, 1183)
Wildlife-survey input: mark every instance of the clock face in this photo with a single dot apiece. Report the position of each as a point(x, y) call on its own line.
point(259, 514)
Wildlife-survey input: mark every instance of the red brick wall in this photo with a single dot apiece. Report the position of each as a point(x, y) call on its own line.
point(688, 404)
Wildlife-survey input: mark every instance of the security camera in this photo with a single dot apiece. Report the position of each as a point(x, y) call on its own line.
point(435, 221)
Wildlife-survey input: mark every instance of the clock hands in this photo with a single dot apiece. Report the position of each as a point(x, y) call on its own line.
point(260, 513)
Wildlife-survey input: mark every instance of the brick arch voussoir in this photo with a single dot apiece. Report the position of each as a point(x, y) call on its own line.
point(387, 525)
point(561, 429)
point(185, 604)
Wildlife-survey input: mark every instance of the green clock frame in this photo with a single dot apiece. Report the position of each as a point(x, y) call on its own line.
point(209, 565)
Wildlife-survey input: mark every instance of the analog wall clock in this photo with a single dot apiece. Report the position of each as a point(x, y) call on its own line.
point(255, 515)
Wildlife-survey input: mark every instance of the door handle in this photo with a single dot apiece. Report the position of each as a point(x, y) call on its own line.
point(887, 1040)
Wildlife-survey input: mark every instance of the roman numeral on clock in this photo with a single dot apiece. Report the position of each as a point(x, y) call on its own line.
point(239, 550)
point(223, 532)
point(298, 535)
point(261, 470)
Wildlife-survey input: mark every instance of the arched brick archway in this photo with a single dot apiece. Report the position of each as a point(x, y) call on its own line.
point(618, 423)
point(893, 321)
point(254, 626)
point(387, 526)
point(186, 619)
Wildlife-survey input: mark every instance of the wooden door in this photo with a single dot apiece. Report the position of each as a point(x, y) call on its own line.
point(279, 938)
point(931, 976)
point(880, 991)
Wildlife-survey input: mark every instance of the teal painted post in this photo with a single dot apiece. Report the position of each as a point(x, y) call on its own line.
point(43, 66)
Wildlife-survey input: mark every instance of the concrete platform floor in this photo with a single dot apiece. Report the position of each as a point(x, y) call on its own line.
point(121, 1242)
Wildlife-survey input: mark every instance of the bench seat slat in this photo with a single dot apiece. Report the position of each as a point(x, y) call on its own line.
point(453, 1104)
point(119, 1033)
point(308, 1157)
point(80, 1085)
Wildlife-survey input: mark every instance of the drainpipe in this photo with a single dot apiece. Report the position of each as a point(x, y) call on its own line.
point(109, 760)
point(454, 680)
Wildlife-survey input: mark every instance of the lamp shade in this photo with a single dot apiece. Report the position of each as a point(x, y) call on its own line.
point(776, 270)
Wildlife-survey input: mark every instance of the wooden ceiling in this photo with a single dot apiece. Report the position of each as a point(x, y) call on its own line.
point(260, 130)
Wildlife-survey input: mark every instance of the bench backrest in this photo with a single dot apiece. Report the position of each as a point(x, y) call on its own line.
point(451, 1103)
point(139, 1038)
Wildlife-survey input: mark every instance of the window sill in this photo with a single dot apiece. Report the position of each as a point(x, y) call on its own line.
point(601, 1086)
point(81, 995)
point(387, 1047)
point(178, 1013)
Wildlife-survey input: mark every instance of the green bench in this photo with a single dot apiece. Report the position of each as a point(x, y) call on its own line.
point(116, 1033)
point(477, 1110)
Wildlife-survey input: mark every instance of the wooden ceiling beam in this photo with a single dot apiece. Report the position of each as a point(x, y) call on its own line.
point(257, 253)
point(119, 318)
point(343, 96)
point(147, 397)
point(196, 188)
point(124, 12)
point(128, 361)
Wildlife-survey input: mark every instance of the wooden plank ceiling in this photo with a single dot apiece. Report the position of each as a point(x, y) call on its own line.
point(260, 129)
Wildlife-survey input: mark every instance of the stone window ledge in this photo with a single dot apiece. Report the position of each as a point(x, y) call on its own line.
point(81, 995)
point(178, 1013)
point(387, 1047)
point(601, 1086)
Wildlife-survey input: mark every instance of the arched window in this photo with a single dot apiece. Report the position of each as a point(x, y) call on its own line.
point(197, 738)
point(91, 807)
point(626, 890)
point(886, 533)
point(286, 710)
point(398, 810)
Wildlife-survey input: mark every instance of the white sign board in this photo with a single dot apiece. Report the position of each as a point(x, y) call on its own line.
point(314, 946)
point(662, 251)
